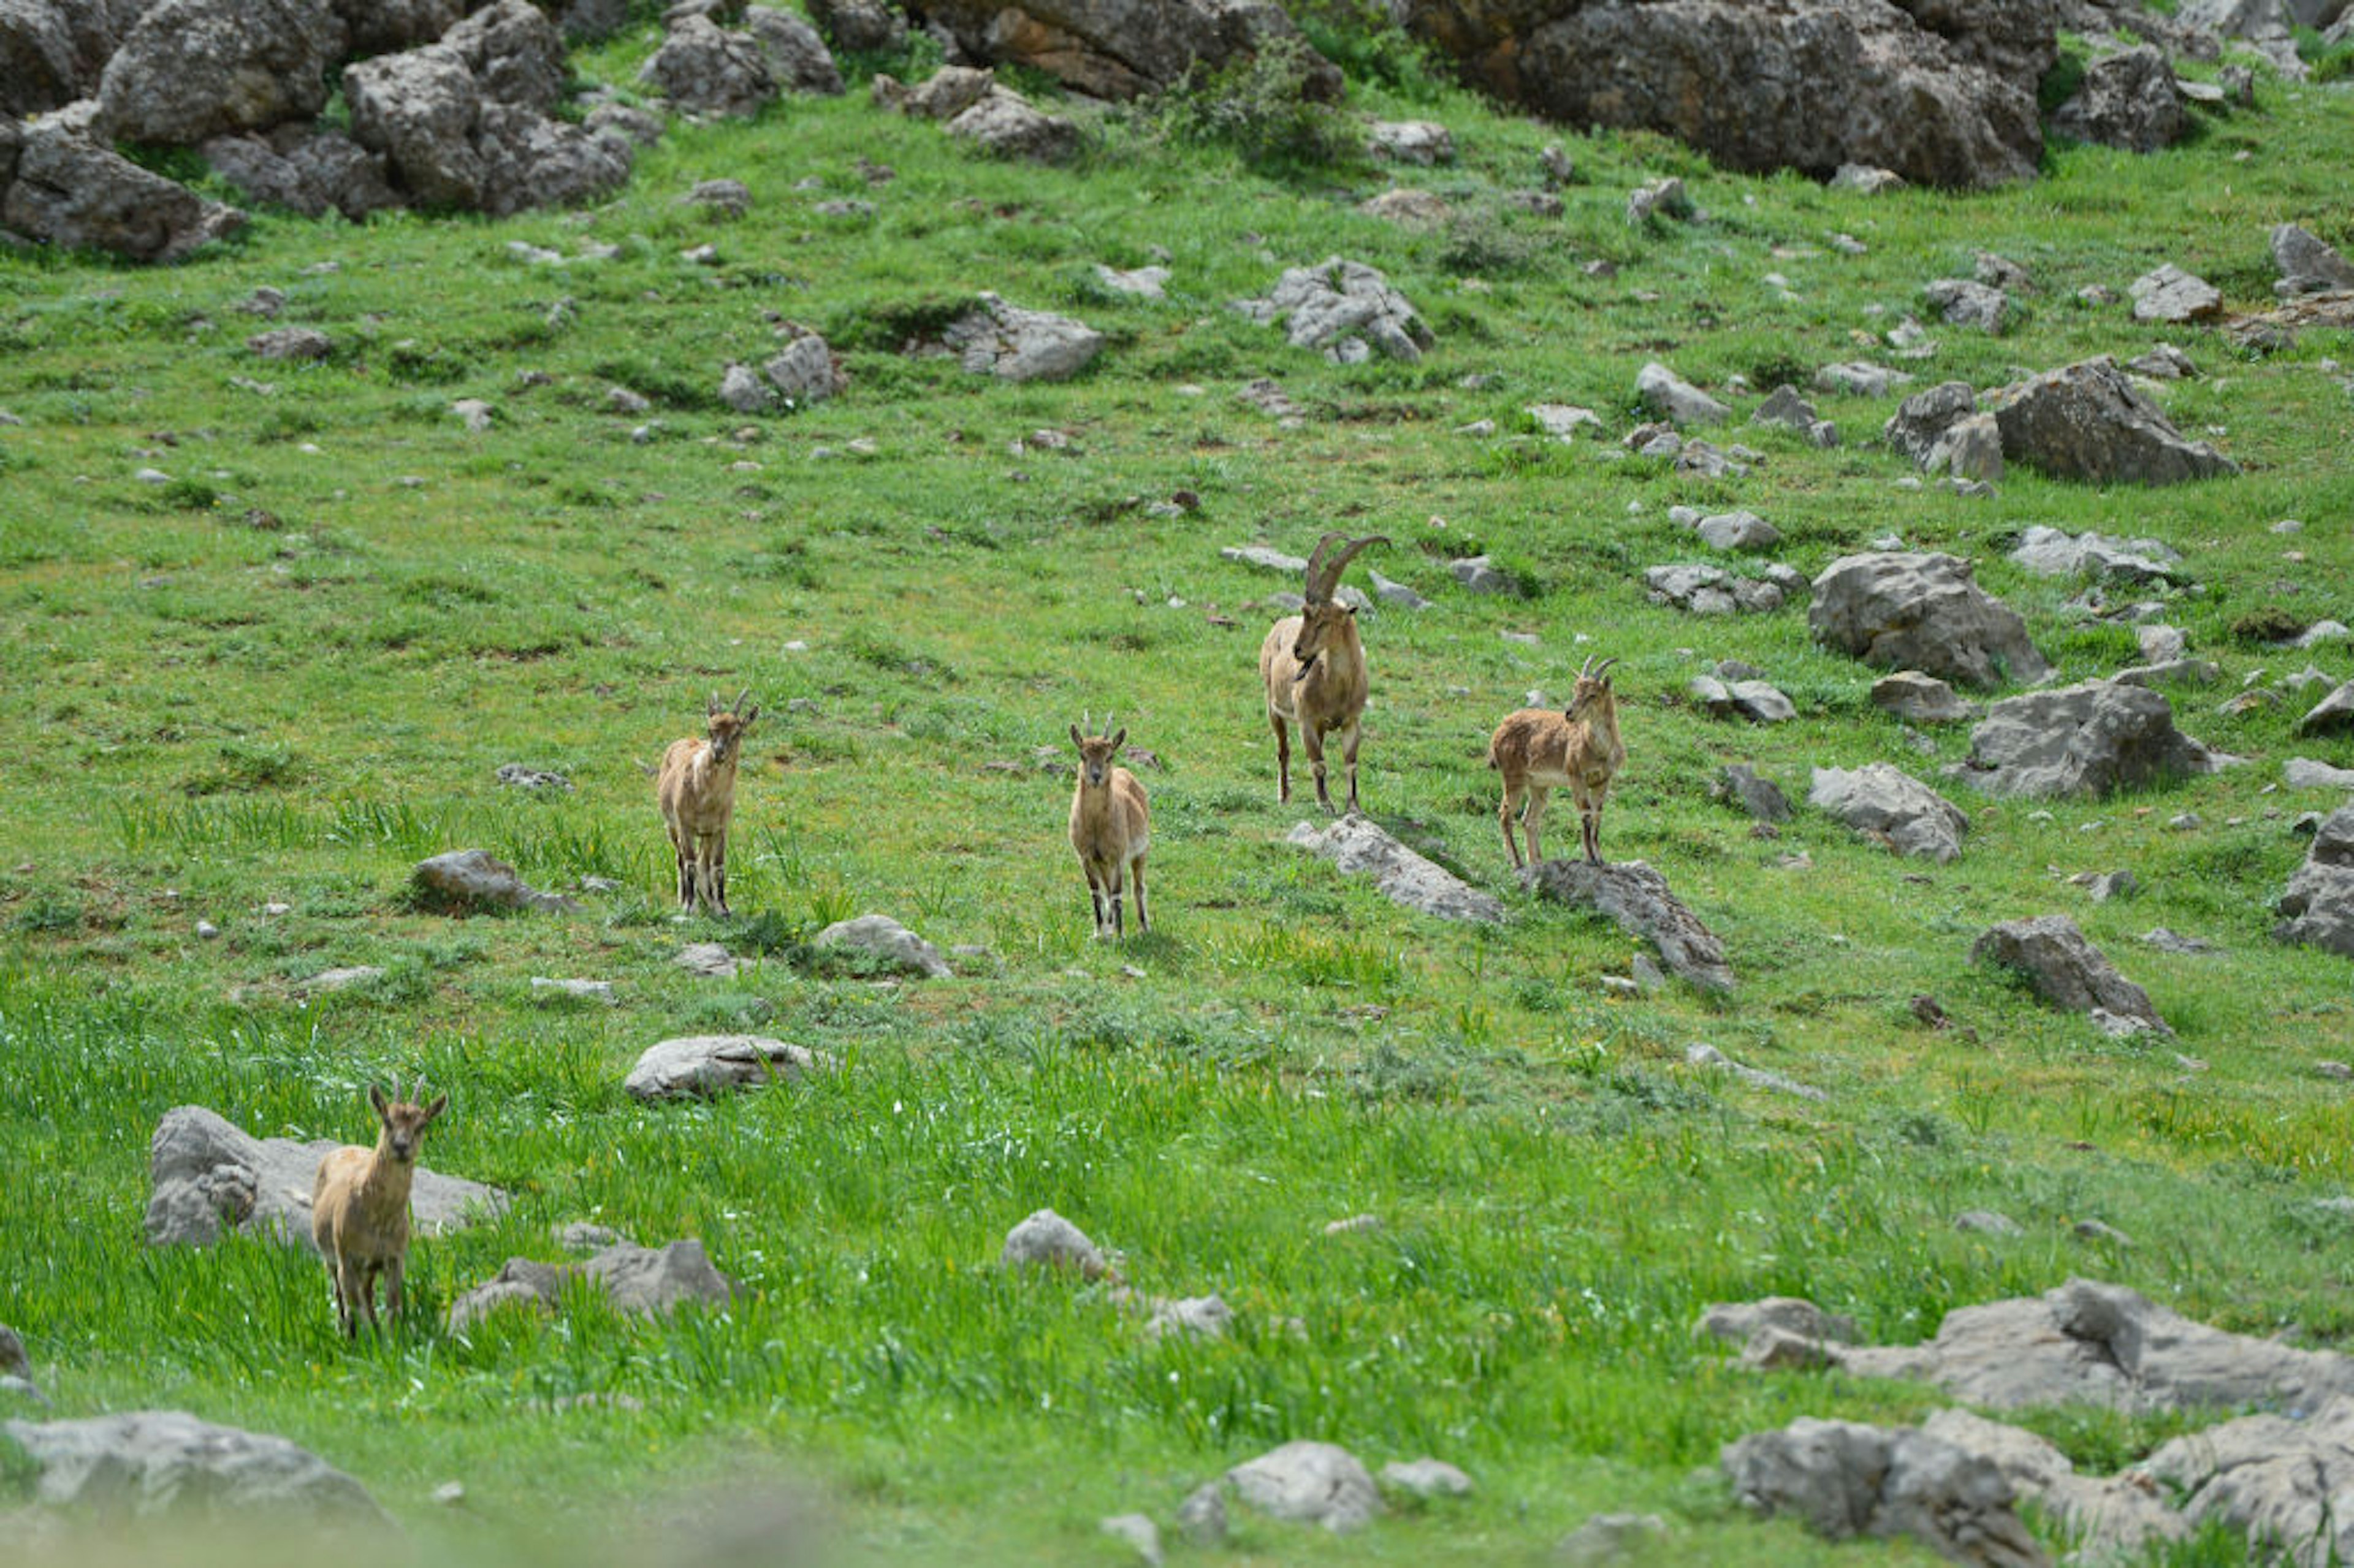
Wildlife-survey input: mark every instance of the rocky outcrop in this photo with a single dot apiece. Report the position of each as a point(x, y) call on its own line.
point(73, 192)
point(1344, 308)
point(1120, 48)
point(43, 64)
point(1845, 1479)
point(2051, 553)
point(2126, 100)
point(1923, 612)
point(465, 880)
point(1012, 343)
point(2068, 973)
point(2317, 905)
point(2085, 740)
point(2307, 264)
point(155, 1464)
point(306, 170)
point(191, 70)
point(1638, 900)
point(649, 1282)
point(2088, 421)
point(1942, 92)
point(1314, 1483)
point(209, 1175)
point(1890, 804)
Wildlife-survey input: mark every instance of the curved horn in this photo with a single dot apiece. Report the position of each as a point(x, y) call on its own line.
point(737, 706)
point(1324, 574)
point(1604, 668)
point(1586, 670)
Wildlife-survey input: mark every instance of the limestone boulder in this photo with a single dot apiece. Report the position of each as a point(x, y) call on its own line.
point(2085, 741)
point(1006, 124)
point(1359, 847)
point(1639, 901)
point(2317, 905)
point(2126, 100)
point(696, 1066)
point(2067, 971)
point(2051, 553)
point(1346, 309)
point(642, 1281)
point(476, 879)
point(2307, 264)
point(306, 170)
point(1003, 340)
point(887, 940)
point(72, 191)
point(190, 69)
point(1844, 1479)
point(1045, 1240)
point(166, 1464)
point(1314, 1483)
point(2087, 421)
point(41, 65)
point(1923, 612)
point(1888, 804)
point(704, 68)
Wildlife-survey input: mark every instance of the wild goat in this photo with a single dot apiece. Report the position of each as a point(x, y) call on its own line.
point(696, 788)
point(1111, 827)
point(1313, 668)
point(359, 1208)
point(1536, 749)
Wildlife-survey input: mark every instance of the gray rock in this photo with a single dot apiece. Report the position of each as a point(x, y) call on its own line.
point(73, 192)
point(2164, 363)
point(1844, 1479)
point(1923, 612)
point(1856, 378)
point(345, 979)
point(1697, 589)
point(702, 1064)
point(1919, 425)
point(514, 52)
point(1985, 1223)
point(208, 1175)
point(806, 372)
point(1970, 449)
point(2086, 740)
point(1737, 531)
point(520, 775)
point(308, 171)
point(1738, 1322)
point(1670, 396)
point(2126, 100)
point(703, 68)
point(388, 26)
point(2065, 970)
point(945, 94)
point(2333, 714)
point(2104, 885)
point(860, 26)
point(167, 1463)
point(797, 56)
point(1607, 1538)
point(1203, 1317)
point(2307, 265)
point(1138, 1532)
point(1658, 198)
point(1965, 304)
point(2174, 671)
point(1345, 309)
point(581, 1236)
point(1425, 1477)
point(1418, 141)
point(1883, 800)
point(1006, 124)
point(886, 938)
point(1479, 574)
point(1639, 901)
point(743, 391)
point(1705, 1055)
point(1360, 847)
point(2170, 294)
point(1123, 51)
point(728, 198)
point(2086, 421)
point(1046, 1240)
point(50, 54)
point(1917, 698)
point(2049, 552)
point(1397, 594)
point(1785, 407)
point(1864, 179)
point(1202, 1515)
point(1563, 421)
point(1759, 702)
point(2304, 773)
point(291, 344)
point(2317, 905)
point(1016, 344)
point(2167, 941)
point(2113, 1519)
point(191, 70)
point(709, 959)
point(1760, 797)
point(476, 879)
point(1314, 1483)
point(1143, 282)
point(647, 1282)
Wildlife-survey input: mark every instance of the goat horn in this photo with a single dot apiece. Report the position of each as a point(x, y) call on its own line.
point(1604, 668)
point(739, 706)
point(711, 705)
point(1324, 574)
point(1586, 670)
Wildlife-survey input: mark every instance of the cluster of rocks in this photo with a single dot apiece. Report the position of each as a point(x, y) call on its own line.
point(1107, 51)
point(1701, 588)
point(1344, 309)
point(703, 68)
point(650, 1282)
point(2086, 421)
point(974, 107)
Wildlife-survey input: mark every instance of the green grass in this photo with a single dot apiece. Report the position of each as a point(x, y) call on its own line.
point(288, 673)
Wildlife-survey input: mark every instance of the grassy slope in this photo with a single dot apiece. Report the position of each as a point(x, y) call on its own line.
point(203, 715)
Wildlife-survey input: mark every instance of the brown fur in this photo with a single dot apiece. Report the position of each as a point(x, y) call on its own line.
point(1312, 666)
point(359, 1208)
point(1537, 749)
point(1111, 829)
point(696, 788)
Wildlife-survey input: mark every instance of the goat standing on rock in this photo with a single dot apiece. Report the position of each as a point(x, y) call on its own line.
point(1313, 668)
point(697, 789)
point(1110, 828)
point(359, 1208)
point(1536, 749)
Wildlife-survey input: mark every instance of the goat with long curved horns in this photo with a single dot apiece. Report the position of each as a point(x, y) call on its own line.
point(1313, 668)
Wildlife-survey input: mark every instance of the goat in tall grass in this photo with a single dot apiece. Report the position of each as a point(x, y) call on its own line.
point(1111, 827)
point(359, 1207)
point(696, 788)
point(1536, 749)
point(1313, 667)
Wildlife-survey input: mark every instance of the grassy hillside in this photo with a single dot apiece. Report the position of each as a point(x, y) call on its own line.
point(285, 670)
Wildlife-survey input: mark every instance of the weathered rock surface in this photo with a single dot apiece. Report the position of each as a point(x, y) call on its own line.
point(477, 879)
point(2278, 1479)
point(649, 1282)
point(1314, 1483)
point(2170, 294)
point(700, 1064)
point(44, 64)
point(2126, 100)
point(1638, 900)
point(1845, 1479)
point(1859, 378)
point(1759, 702)
point(2308, 265)
point(2305, 773)
point(1884, 800)
point(1345, 309)
point(1705, 1055)
point(887, 939)
point(2051, 553)
point(2333, 714)
point(1672, 398)
point(1760, 797)
point(704, 69)
point(72, 191)
point(1112, 51)
point(1015, 345)
point(1359, 847)
point(1740, 1322)
point(1006, 124)
point(2088, 421)
point(1917, 698)
point(1046, 1240)
point(1426, 1477)
point(1919, 425)
point(1608, 1538)
point(157, 1462)
point(1700, 589)
point(189, 70)
point(2088, 740)
point(2066, 969)
point(2317, 905)
point(1966, 303)
point(308, 171)
point(1944, 95)
point(1923, 612)
point(806, 372)
point(208, 1175)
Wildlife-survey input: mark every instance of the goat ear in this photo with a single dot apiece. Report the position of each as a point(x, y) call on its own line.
point(1077, 739)
point(753, 713)
point(375, 1098)
point(440, 1103)
point(1117, 739)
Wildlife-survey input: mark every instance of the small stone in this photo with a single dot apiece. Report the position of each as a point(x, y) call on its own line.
point(1138, 1532)
point(1202, 1515)
point(1353, 1225)
point(450, 1494)
point(1986, 1222)
point(207, 930)
point(2101, 1231)
point(1426, 1477)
